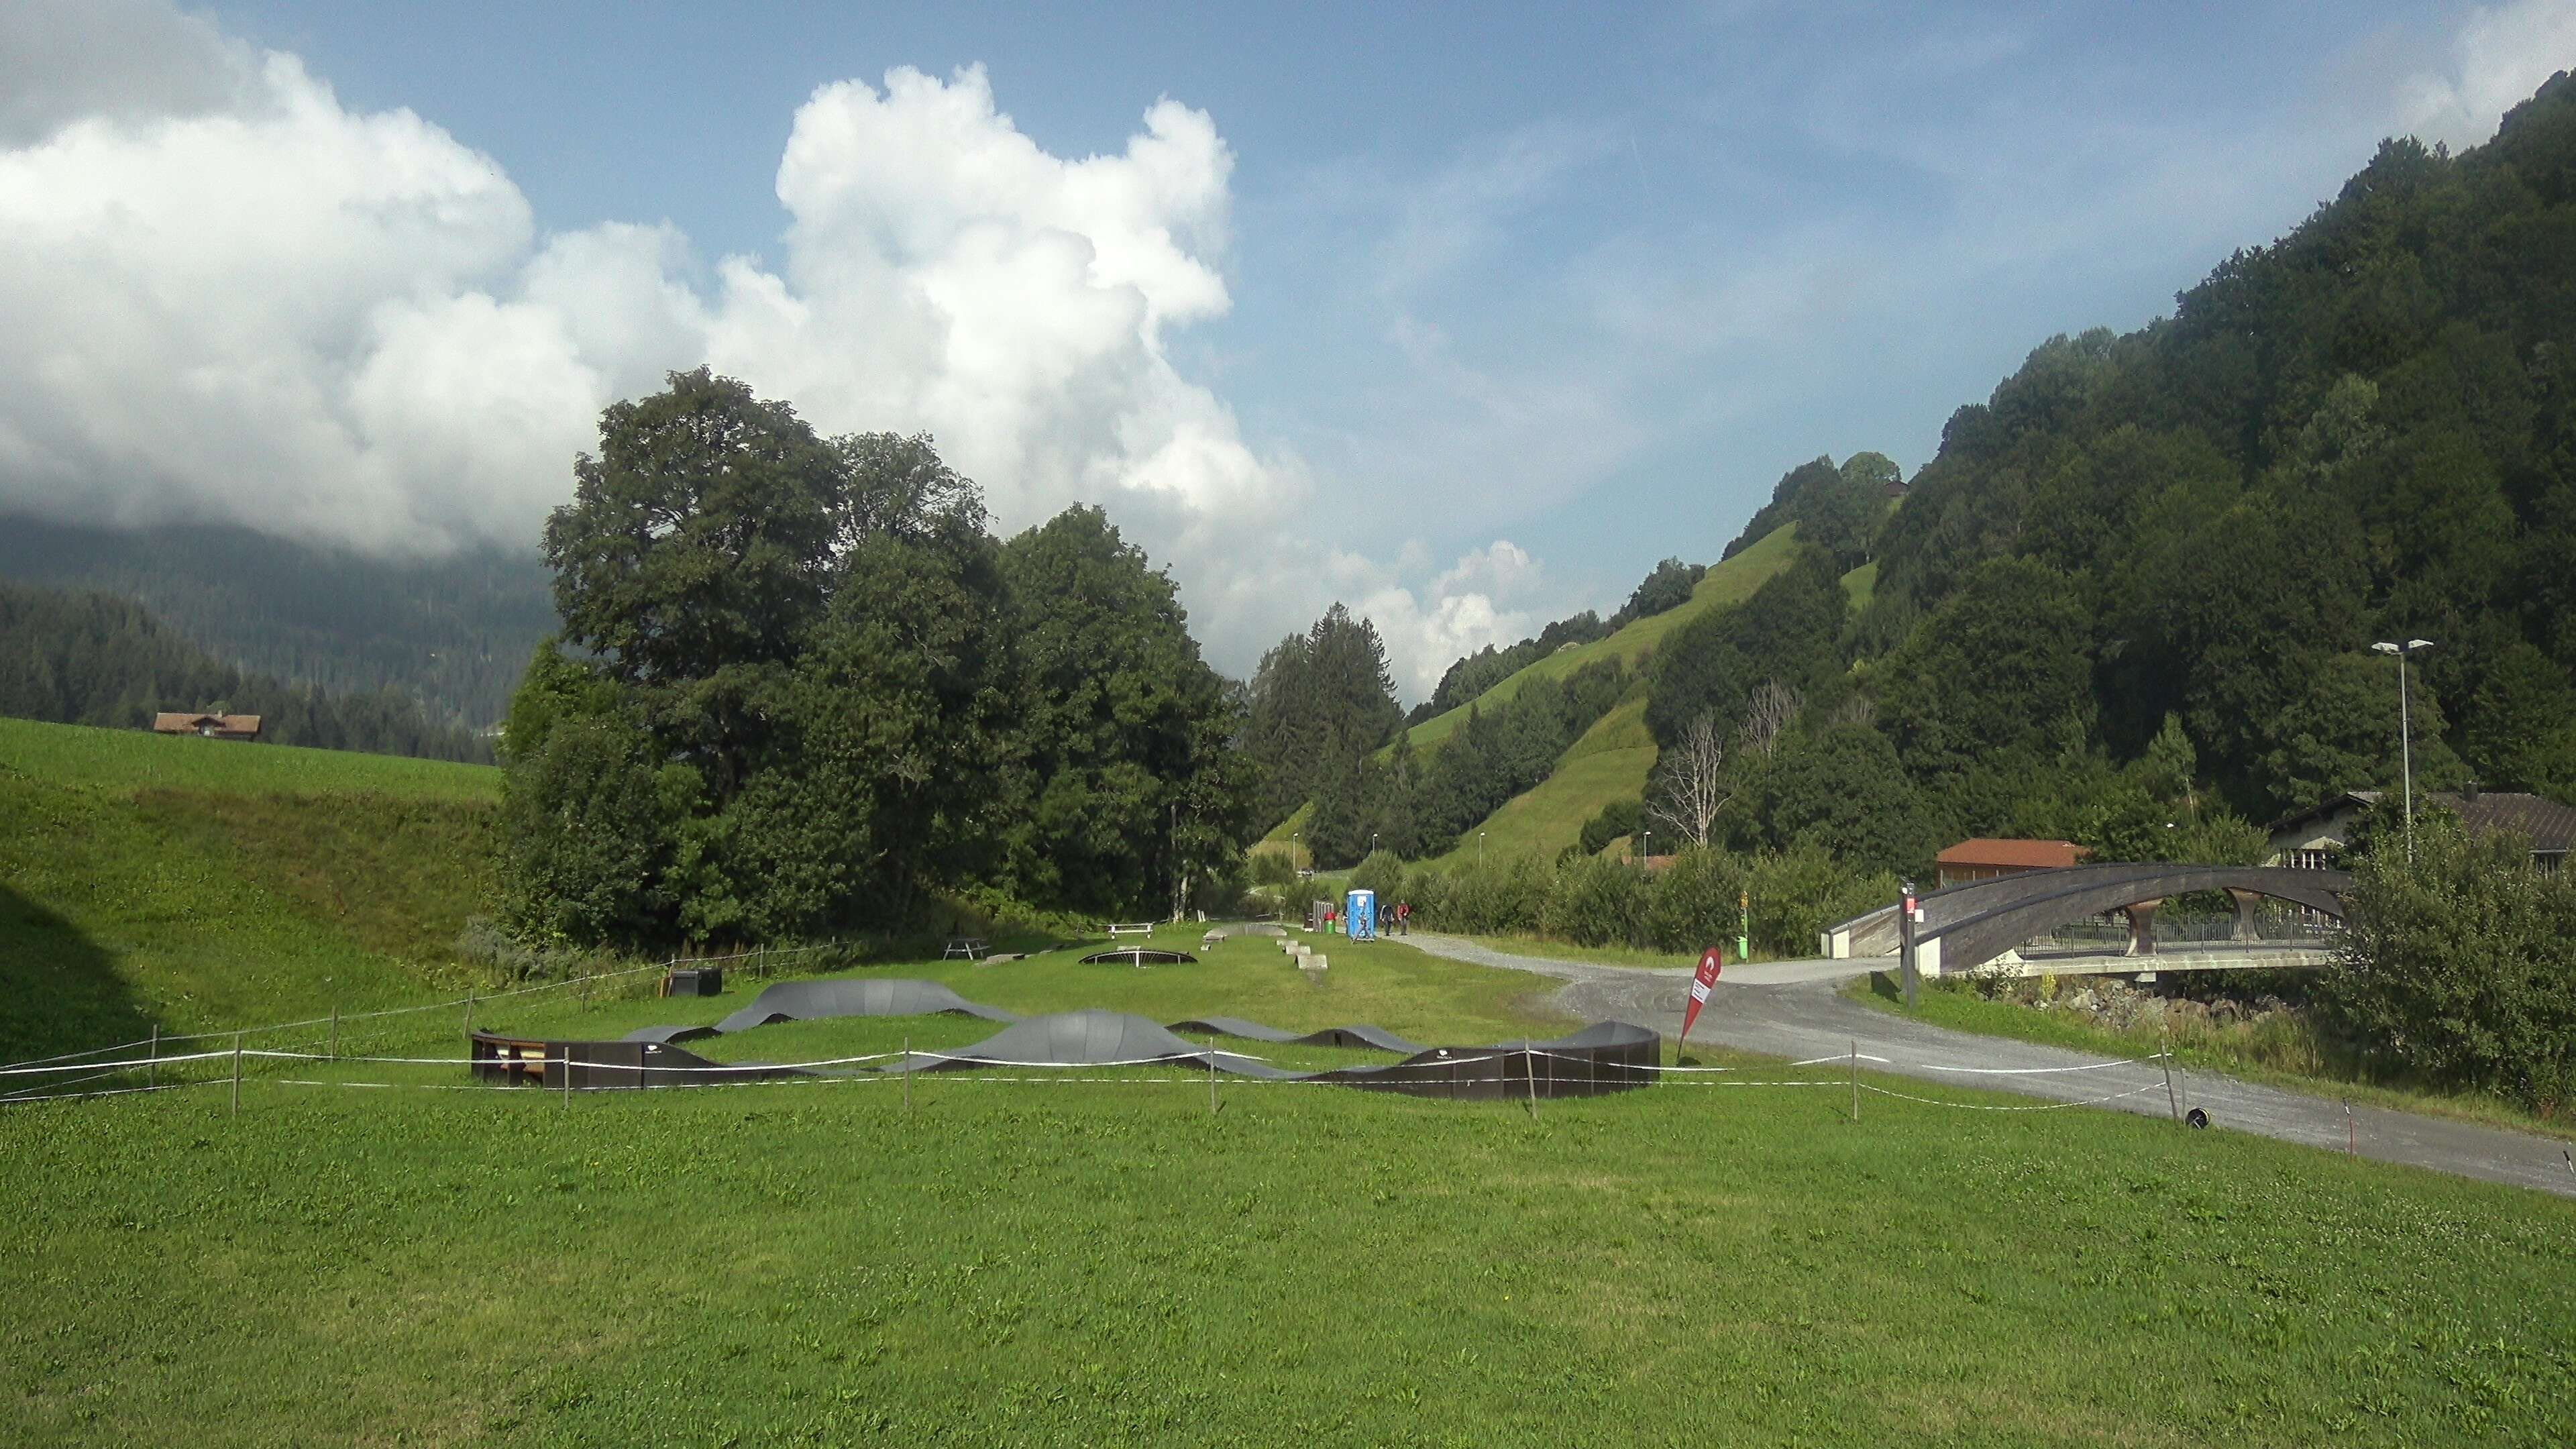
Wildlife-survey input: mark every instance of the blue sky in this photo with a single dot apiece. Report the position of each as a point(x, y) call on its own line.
point(1464, 315)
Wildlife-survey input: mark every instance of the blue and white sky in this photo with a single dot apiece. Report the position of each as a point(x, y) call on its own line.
point(1464, 316)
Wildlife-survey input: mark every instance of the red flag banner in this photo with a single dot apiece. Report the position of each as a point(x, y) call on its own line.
point(1709, 962)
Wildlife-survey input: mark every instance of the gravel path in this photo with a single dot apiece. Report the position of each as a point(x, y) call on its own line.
point(1794, 1010)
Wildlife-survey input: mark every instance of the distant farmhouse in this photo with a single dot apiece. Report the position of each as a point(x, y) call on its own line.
point(209, 726)
point(1985, 859)
point(2313, 838)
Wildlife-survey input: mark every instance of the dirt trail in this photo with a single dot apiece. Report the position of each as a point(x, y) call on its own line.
point(1794, 1010)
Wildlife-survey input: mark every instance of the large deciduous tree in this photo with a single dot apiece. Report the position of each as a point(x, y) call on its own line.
point(799, 683)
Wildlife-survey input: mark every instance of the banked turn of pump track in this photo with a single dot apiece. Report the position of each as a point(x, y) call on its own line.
point(1796, 1010)
point(1607, 1056)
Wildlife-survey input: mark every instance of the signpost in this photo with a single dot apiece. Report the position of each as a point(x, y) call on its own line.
point(1710, 961)
point(1905, 940)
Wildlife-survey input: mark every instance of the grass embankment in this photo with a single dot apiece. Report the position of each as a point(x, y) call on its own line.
point(1109, 1262)
point(186, 884)
point(2276, 1050)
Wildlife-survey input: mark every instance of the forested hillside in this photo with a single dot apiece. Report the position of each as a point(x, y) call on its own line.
point(2132, 600)
point(96, 659)
point(451, 632)
point(2362, 432)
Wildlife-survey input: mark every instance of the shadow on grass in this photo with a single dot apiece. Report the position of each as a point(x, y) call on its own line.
point(63, 992)
point(1883, 986)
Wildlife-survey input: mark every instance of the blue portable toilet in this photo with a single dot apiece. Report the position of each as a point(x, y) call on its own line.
point(1359, 910)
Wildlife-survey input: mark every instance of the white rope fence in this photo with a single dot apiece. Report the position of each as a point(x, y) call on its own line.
point(470, 1000)
point(58, 1081)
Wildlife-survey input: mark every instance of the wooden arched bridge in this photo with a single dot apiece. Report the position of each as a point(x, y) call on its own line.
point(1966, 926)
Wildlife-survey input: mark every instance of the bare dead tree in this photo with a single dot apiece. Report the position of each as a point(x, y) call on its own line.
point(1694, 786)
point(1773, 705)
point(1859, 709)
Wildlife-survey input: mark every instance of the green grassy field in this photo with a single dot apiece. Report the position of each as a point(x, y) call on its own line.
point(367, 1254)
point(189, 884)
point(1107, 1261)
point(130, 760)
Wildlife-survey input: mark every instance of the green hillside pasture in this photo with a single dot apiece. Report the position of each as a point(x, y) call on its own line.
point(185, 884)
point(1861, 585)
point(1610, 761)
point(134, 760)
point(1109, 1262)
point(1281, 837)
point(1549, 816)
point(1730, 582)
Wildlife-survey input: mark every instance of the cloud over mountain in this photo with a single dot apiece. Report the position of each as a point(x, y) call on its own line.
point(252, 303)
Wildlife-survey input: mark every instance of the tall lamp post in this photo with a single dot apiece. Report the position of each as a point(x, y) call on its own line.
point(1296, 858)
point(2405, 732)
point(1480, 850)
point(1649, 852)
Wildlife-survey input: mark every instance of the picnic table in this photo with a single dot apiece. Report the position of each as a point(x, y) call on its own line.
point(970, 947)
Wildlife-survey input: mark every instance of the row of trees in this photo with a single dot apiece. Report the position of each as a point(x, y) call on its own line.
point(799, 684)
point(93, 658)
point(1690, 904)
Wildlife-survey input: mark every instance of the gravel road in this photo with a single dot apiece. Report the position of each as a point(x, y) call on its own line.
point(1794, 1010)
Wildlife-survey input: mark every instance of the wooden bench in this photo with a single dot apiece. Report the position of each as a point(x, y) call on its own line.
point(1146, 929)
point(970, 947)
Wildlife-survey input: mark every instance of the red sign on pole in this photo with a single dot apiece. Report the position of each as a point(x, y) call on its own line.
point(1701, 980)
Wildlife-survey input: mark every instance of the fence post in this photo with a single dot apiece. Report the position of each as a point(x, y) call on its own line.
point(335, 1031)
point(1529, 1070)
point(469, 1011)
point(2171, 1101)
point(152, 1073)
point(907, 1074)
point(1855, 1078)
point(237, 1040)
point(1211, 1078)
point(567, 1071)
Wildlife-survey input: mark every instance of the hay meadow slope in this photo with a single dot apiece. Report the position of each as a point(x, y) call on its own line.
point(180, 884)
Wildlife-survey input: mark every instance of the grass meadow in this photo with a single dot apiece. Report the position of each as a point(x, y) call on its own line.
point(371, 1251)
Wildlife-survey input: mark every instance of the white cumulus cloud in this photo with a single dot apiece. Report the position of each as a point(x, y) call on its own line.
point(2499, 57)
point(234, 298)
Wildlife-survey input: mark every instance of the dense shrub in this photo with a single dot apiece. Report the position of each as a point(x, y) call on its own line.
point(2461, 967)
point(1694, 901)
point(1684, 908)
point(1598, 902)
point(1382, 872)
point(1618, 818)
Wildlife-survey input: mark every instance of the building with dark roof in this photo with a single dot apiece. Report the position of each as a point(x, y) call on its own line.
point(2315, 837)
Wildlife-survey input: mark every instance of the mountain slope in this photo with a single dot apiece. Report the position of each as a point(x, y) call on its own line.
point(1730, 582)
point(453, 633)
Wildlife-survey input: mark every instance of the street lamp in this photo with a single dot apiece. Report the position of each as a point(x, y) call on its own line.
point(1649, 853)
point(1480, 850)
point(2405, 732)
point(1372, 842)
point(1296, 861)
